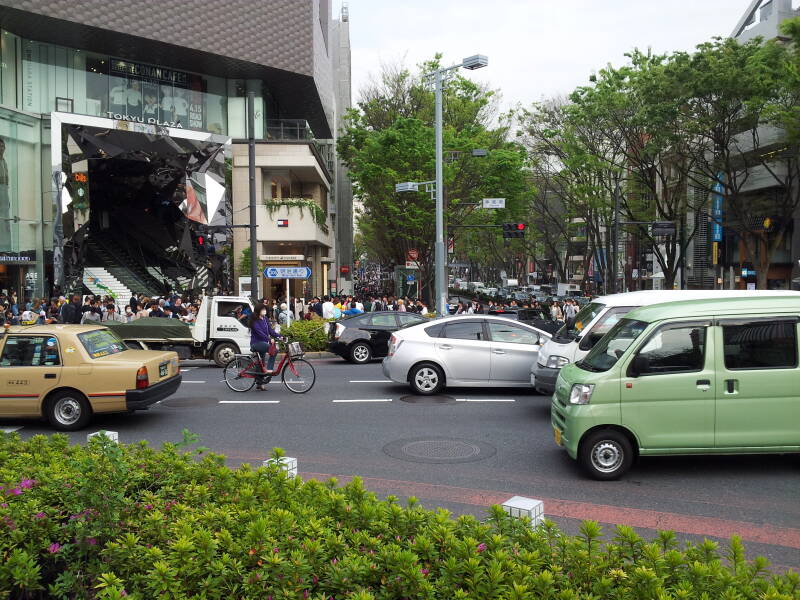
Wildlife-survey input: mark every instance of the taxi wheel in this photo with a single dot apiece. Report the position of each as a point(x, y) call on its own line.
point(68, 411)
point(606, 455)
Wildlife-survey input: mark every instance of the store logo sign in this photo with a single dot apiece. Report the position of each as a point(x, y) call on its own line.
point(148, 120)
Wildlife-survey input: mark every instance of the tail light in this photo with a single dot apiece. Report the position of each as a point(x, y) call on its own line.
point(338, 331)
point(394, 344)
point(142, 380)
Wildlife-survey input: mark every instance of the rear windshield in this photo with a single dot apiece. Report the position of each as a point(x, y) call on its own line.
point(573, 327)
point(101, 342)
point(607, 351)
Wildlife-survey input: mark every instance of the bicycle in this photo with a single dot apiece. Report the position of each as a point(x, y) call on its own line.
point(297, 374)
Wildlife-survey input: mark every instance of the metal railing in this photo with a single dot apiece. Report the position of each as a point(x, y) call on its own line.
point(289, 129)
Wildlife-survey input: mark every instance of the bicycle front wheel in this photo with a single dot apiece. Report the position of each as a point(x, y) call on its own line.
point(235, 376)
point(298, 376)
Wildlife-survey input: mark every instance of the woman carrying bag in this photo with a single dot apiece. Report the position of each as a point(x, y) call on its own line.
point(262, 340)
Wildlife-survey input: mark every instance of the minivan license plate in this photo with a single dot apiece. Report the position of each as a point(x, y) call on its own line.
point(557, 435)
point(162, 369)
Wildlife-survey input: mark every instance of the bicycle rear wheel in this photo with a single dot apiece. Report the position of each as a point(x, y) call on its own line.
point(300, 379)
point(234, 377)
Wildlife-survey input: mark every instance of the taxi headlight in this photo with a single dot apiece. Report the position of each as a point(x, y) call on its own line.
point(556, 362)
point(581, 393)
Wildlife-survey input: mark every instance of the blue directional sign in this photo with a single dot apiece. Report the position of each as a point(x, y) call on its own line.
point(410, 278)
point(287, 272)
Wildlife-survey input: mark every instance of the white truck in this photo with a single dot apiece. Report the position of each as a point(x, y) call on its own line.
point(217, 334)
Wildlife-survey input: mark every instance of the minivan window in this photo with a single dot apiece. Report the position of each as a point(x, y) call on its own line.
point(760, 345)
point(673, 349)
point(573, 327)
point(610, 318)
point(606, 353)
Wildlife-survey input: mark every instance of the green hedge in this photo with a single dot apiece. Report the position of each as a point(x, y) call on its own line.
point(310, 334)
point(114, 521)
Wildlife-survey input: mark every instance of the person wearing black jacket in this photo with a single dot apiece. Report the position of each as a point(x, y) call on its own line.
point(71, 311)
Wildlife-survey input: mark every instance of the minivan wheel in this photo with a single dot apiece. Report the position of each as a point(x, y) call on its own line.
point(426, 379)
point(68, 411)
point(606, 455)
point(360, 353)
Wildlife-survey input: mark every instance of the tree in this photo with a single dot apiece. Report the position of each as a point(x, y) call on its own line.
point(389, 138)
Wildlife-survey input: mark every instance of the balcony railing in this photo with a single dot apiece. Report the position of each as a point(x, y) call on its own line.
point(289, 129)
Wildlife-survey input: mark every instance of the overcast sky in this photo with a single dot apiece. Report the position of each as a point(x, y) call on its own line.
point(536, 48)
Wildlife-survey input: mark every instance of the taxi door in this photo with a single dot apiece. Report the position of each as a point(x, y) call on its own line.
point(30, 367)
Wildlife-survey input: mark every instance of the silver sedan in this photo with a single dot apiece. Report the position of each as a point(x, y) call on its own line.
point(464, 351)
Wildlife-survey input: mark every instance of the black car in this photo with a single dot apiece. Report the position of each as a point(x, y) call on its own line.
point(536, 317)
point(363, 337)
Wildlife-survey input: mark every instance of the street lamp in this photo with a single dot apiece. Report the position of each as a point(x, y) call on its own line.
point(439, 75)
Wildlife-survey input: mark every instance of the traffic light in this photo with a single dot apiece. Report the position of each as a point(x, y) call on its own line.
point(514, 230)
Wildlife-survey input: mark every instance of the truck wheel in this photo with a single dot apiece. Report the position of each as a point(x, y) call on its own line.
point(223, 354)
point(68, 411)
point(360, 353)
point(606, 454)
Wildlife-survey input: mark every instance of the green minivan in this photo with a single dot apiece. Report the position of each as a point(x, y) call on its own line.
point(693, 377)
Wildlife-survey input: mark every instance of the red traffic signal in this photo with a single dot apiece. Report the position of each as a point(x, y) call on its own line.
point(520, 226)
point(514, 230)
point(200, 240)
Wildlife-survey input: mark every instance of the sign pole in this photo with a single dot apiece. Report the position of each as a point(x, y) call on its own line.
point(288, 307)
point(251, 170)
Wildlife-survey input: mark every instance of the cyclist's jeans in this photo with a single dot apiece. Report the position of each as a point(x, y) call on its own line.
point(261, 348)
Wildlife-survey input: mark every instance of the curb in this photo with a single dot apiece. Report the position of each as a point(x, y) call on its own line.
point(320, 355)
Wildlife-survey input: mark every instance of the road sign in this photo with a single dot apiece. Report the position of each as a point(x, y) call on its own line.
point(494, 203)
point(412, 254)
point(287, 272)
point(663, 228)
point(410, 278)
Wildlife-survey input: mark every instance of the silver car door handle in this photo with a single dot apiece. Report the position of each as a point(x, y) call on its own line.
point(445, 347)
point(499, 351)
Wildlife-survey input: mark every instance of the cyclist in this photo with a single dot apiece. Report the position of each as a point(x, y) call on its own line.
point(261, 334)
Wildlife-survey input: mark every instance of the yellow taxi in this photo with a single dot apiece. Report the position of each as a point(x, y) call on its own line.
point(66, 373)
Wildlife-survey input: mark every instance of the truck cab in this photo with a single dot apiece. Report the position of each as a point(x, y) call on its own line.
point(218, 328)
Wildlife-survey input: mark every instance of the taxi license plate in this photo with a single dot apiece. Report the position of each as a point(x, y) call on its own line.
point(557, 435)
point(162, 369)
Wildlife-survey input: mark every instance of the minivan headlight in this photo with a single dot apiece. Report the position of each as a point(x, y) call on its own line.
point(581, 393)
point(556, 362)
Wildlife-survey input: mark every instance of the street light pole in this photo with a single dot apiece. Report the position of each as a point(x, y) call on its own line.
point(439, 254)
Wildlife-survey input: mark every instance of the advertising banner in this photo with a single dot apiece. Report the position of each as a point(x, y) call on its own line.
point(716, 211)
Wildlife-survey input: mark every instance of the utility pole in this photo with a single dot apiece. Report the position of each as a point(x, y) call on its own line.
point(251, 169)
point(615, 242)
point(439, 250)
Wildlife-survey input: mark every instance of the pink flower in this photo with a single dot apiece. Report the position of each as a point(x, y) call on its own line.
point(315, 579)
point(148, 507)
point(481, 547)
point(54, 547)
point(123, 593)
point(91, 541)
point(39, 515)
point(305, 593)
point(334, 561)
point(27, 484)
point(275, 550)
point(16, 491)
point(424, 571)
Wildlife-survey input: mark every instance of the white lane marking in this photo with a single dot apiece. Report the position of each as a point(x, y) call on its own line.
point(485, 400)
point(192, 381)
point(10, 429)
point(187, 368)
point(366, 400)
point(370, 381)
point(249, 401)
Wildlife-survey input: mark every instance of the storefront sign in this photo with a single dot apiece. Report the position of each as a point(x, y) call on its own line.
point(147, 121)
point(276, 257)
point(17, 260)
point(124, 67)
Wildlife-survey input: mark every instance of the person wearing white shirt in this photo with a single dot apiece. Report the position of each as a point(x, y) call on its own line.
point(327, 308)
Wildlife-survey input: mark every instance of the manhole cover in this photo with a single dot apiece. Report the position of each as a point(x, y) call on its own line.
point(196, 402)
point(439, 450)
point(428, 399)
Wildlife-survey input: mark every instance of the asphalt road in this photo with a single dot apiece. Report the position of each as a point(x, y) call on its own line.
point(473, 448)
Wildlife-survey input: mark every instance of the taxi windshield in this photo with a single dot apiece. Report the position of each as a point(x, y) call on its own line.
point(573, 327)
point(608, 350)
point(101, 342)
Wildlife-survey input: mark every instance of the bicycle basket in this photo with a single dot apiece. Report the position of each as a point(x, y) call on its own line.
point(295, 350)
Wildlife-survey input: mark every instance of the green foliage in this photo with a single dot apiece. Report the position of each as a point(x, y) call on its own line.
point(310, 334)
point(128, 521)
point(304, 204)
point(245, 261)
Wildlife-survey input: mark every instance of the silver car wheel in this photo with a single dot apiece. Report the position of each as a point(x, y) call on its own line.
point(607, 456)
point(426, 379)
point(67, 411)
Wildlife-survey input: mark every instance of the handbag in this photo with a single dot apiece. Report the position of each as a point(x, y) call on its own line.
point(273, 348)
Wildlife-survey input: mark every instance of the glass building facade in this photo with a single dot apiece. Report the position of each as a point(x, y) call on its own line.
point(38, 78)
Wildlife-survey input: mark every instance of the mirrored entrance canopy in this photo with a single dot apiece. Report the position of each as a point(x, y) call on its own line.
point(133, 200)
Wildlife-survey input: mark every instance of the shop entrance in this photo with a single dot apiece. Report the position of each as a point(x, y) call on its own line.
point(136, 206)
